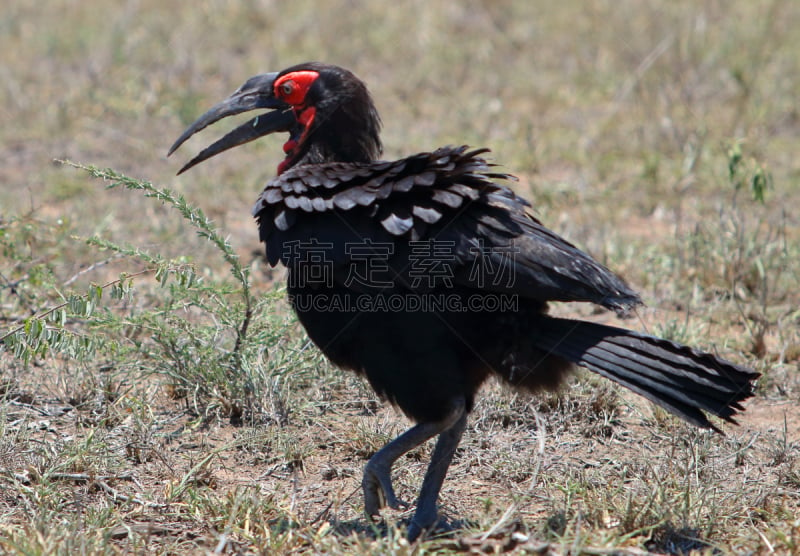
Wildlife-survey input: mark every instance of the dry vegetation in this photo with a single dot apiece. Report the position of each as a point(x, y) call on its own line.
point(643, 131)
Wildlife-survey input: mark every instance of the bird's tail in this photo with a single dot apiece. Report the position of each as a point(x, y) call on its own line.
point(682, 380)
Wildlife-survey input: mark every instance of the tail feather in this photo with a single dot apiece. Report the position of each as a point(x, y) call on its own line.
point(682, 380)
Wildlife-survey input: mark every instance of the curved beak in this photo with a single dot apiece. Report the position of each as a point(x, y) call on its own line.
point(254, 94)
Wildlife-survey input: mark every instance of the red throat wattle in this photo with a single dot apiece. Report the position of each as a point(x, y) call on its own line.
point(305, 118)
point(292, 88)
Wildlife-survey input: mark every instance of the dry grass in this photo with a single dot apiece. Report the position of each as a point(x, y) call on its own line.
point(621, 119)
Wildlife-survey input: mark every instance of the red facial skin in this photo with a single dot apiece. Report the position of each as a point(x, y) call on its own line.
point(292, 88)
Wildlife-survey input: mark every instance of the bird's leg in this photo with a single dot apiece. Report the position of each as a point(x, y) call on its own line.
point(377, 480)
point(426, 514)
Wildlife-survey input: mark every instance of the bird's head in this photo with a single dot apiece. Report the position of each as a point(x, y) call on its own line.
point(326, 110)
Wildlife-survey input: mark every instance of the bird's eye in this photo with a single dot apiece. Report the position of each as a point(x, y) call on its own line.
point(286, 88)
point(293, 87)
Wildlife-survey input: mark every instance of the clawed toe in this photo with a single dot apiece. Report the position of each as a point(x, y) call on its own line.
point(416, 527)
point(393, 501)
point(379, 492)
point(414, 531)
point(426, 525)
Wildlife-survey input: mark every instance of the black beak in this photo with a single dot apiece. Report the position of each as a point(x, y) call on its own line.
point(255, 93)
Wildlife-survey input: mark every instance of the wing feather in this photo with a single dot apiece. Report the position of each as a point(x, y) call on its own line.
point(448, 197)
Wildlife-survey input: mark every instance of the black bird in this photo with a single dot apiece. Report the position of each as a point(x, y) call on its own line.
point(427, 275)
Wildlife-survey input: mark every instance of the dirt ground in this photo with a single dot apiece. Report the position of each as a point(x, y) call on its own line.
point(508, 478)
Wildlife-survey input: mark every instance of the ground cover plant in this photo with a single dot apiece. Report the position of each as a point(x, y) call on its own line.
point(157, 395)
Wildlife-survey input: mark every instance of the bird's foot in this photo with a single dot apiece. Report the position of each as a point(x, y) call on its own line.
point(424, 521)
point(378, 490)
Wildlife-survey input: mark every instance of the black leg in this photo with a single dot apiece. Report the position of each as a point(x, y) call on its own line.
point(377, 481)
point(426, 515)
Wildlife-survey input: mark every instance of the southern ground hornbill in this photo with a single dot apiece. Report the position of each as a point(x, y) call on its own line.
point(427, 275)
